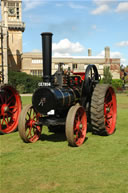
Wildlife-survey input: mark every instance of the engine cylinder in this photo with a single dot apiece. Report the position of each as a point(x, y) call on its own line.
point(47, 98)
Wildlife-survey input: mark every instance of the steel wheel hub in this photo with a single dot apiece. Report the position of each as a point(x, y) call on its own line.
point(4, 109)
point(31, 123)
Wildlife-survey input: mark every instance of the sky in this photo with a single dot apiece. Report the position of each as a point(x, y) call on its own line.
point(77, 26)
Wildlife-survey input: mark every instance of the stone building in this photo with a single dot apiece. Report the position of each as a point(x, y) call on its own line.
point(32, 63)
point(12, 57)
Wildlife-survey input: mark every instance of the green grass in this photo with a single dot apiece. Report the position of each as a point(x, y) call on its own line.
point(100, 165)
point(26, 100)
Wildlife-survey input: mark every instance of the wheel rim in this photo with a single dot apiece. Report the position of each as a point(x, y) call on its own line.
point(10, 108)
point(79, 127)
point(110, 111)
point(76, 125)
point(28, 128)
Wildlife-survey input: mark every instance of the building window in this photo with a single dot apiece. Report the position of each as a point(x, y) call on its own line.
point(40, 73)
point(85, 66)
point(56, 66)
point(101, 67)
point(37, 61)
point(64, 66)
point(36, 73)
point(74, 66)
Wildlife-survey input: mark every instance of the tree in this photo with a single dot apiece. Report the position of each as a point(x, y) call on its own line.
point(107, 76)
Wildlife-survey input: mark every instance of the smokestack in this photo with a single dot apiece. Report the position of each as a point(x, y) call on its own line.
point(107, 52)
point(47, 55)
point(89, 52)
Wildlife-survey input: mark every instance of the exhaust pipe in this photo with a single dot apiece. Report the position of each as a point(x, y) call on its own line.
point(47, 55)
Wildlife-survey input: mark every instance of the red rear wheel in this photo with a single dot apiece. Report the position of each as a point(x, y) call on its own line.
point(103, 109)
point(10, 108)
point(110, 111)
point(29, 129)
point(76, 125)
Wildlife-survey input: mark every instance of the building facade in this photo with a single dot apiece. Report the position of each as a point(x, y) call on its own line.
point(32, 63)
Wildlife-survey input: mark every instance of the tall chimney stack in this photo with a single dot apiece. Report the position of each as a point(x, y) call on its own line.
point(107, 52)
point(47, 55)
point(89, 52)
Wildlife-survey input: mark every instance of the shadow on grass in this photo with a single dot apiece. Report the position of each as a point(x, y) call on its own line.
point(56, 134)
point(53, 137)
point(56, 138)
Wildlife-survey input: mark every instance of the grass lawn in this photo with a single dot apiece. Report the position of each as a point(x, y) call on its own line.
point(100, 165)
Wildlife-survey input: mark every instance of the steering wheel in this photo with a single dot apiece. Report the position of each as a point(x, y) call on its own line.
point(91, 79)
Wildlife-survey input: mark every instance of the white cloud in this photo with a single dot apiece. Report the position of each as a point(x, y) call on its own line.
point(106, 5)
point(66, 48)
point(31, 4)
point(122, 7)
point(59, 4)
point(76, 6)
point(101, 9)
point(94, 27)
point(112, 54)
point(115, 55)
point(124, 62)
point(122, 43)
point(101, 2)
point(101, 54)
point(102, 6)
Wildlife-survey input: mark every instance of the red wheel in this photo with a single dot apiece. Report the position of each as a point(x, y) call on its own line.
point(103, 110)
point(10, 108)
point(29, 129)
point(110, 111)
point(76, 125)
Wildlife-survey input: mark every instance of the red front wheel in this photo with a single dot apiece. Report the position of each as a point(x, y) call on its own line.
point(76, 125)
point(29, 130)
point(10, 108)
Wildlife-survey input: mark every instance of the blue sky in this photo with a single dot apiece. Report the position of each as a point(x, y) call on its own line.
point(77, 26)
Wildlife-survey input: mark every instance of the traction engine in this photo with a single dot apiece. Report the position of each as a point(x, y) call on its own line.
point(68, 99)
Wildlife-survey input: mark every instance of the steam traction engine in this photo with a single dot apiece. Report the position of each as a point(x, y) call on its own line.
point(70, 100)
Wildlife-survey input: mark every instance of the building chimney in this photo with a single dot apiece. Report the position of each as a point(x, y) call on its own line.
point(107, 52)
point(89, 52)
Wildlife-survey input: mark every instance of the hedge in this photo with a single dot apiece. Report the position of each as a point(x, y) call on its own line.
point(23, 82)
point(116, 83)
